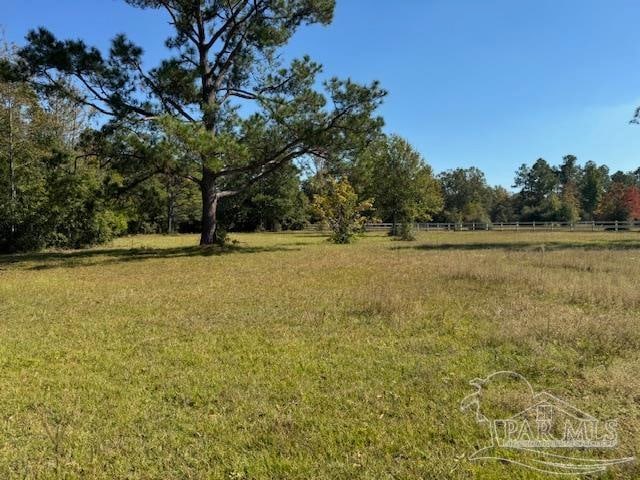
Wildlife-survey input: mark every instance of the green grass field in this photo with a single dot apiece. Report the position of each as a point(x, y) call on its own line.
point(287, 357)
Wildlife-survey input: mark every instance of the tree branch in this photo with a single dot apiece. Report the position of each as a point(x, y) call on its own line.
point(158, 91)
point(229, 21)
point(175, 21)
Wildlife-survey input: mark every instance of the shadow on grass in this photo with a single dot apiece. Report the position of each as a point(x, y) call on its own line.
point(620, 244)
point(106, 256)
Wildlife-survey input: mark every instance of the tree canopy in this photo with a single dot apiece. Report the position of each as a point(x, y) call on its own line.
point(223, 55)
point(401, 182)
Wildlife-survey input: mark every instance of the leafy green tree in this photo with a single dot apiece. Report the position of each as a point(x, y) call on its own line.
point(401, 183)
point(541, 189)
point(502, 205)
point(224, 56)
point(569, 178)
point(161, 204)
point(50, 194)
point(274, 203)
point(569, 173)
point(147, 207)
point(569, 208)
point(23, 144)
point(340, 207)
point(538, 184)
point(467, 196)
point(182, 202)
point(593, 186)
point(77, 212)
point(626, 178)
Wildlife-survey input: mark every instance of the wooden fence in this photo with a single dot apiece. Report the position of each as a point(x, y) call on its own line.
point(516, 227)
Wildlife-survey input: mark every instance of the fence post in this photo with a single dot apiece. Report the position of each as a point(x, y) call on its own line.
point(616, 225)
point(534, 225)
point(517, 226)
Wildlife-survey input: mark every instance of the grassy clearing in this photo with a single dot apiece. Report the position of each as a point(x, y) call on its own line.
point(288, 357)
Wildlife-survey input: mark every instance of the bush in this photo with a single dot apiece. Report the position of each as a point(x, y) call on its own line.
point(107, 225)
point(407, 232)
point(340, 208)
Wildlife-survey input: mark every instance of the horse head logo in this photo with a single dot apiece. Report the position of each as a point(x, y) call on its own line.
point(524, 428)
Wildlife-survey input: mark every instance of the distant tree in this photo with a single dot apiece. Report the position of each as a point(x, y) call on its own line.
point(340, 207)
point(147, 207)
point(181, 204)
point(626, 178)
point(593, 186)
point(620, 202)
point(225, 55)
point(161, 204)
point(569, 177)
point(632, 200)
point(569, 208)
point(467, 196)
point(569, 173)
point(537, 183)
point(548, 193)
point(274, 203)
point(502, 205)
point(401, 183)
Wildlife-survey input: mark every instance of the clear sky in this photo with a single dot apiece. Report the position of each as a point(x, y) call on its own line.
point(488, 83)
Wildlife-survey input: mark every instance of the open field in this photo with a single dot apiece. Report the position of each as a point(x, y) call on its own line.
point(288, 357)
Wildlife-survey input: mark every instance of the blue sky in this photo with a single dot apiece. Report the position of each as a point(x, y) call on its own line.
point(491, 83)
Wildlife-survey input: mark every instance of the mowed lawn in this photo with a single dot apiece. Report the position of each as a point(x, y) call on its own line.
point(287, 357)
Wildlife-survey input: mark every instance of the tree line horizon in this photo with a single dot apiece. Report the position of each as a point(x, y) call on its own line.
point(174, 153)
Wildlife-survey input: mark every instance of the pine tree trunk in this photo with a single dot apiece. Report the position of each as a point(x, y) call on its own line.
point(209, 209)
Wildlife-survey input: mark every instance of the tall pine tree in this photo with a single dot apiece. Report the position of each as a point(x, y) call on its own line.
point(223, 55)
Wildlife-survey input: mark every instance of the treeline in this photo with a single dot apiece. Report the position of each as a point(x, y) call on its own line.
point(55, 192)
point(567, 192)
point(63, 185)
point(402, 189)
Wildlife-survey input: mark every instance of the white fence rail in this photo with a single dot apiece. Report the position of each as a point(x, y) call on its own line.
point(516, 226)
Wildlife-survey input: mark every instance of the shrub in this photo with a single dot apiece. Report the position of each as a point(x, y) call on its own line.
point(340, 208)
point(407, 231)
